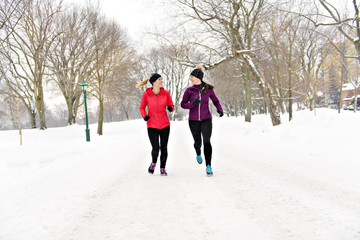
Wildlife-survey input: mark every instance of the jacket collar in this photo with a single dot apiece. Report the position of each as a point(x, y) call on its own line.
point(149, 91)
point(195, 88)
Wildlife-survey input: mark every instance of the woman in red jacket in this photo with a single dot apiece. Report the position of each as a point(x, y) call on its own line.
point(157, 100)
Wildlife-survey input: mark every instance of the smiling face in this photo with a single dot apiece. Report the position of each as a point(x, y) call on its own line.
point(158, 83)
point(195, 80)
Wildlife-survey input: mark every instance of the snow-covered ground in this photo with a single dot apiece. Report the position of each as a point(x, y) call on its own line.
point(299, 180)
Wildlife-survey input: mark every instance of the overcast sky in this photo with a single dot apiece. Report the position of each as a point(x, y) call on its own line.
point(137, 16)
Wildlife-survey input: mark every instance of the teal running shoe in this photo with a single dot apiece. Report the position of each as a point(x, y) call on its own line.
point(199, 159)
point(209, 171)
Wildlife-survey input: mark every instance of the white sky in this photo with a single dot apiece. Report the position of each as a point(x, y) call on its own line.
point(137, 16)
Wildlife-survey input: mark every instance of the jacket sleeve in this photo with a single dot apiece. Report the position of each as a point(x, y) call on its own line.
point(170, 102)
point(143, 105)
point(215, 100)
point(185, 104)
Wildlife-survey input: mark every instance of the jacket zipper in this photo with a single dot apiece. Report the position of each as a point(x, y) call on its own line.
point(199, 104)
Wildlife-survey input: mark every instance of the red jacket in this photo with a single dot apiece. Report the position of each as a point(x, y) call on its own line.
point(156, 105)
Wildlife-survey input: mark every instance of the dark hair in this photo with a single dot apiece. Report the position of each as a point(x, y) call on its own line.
point(206, 87)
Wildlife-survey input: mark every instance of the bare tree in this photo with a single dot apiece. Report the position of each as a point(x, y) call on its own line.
point(10, 14)
point(234, 24)
point(284, 28)
point(120, 95)
point(228, 82)
point(71, 56)
point(111, 50)
point(21, 91)
point(348, 23)
point(295, 54)
point(275, 55)
point(14, 100)
point(11, 11)
point(176, 75)
point(28, 45)
point(312, 52)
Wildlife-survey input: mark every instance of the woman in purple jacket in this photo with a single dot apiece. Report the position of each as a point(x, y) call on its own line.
point(196, 99)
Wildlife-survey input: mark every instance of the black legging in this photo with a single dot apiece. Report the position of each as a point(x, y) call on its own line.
point(154, 135)
point(203, 127)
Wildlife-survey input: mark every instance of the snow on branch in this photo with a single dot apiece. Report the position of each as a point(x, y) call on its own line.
point(249, 50)
point(225, 59)
point(230, 57)
point(207, 66)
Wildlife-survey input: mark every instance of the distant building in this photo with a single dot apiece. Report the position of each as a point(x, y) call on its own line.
point(348, 95)
point(339, 72)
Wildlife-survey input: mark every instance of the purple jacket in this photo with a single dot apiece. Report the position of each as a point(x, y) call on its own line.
point(201, 111)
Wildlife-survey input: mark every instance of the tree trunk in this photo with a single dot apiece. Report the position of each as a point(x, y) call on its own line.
point(355, 98)
point(247, 93)
point(280, 101)
point(18, 117)
point(248, 99)
point(290, 88)
point(101, 117)
point(75, 107)
point(72, 103)
point(71, 117)
point(342, 84)
point(16, 103)
point(290, 100)
point(311, 100)
point(32, 115)
point(236, 106)
point(40, 106)
point(258, 76)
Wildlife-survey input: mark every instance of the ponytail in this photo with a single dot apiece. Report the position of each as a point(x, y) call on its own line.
point(206, 87)
point(153, 77)
point(143, 82)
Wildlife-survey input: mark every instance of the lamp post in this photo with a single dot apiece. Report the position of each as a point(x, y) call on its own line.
point(87, 130)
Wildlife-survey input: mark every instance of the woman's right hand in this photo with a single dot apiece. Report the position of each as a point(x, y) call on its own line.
point(147, 117)
point(196, 101)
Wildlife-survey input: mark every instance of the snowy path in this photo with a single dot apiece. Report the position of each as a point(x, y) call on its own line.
point(186, 204)
point(285, 183)
point(248, 197)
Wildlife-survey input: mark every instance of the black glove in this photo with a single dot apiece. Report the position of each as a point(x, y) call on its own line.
point(196, 101)
point(147, 117)
point(221, 113)
point(169, 108)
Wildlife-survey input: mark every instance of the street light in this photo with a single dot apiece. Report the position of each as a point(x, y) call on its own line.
point(87, 130)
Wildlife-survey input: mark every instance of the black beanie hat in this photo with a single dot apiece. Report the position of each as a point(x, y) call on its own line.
point(154, 77)
point(198, 72)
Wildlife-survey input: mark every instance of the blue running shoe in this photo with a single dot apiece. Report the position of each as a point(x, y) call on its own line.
point(199, 159)
point(163, 172)
point(152, 168)
point(209, 171)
